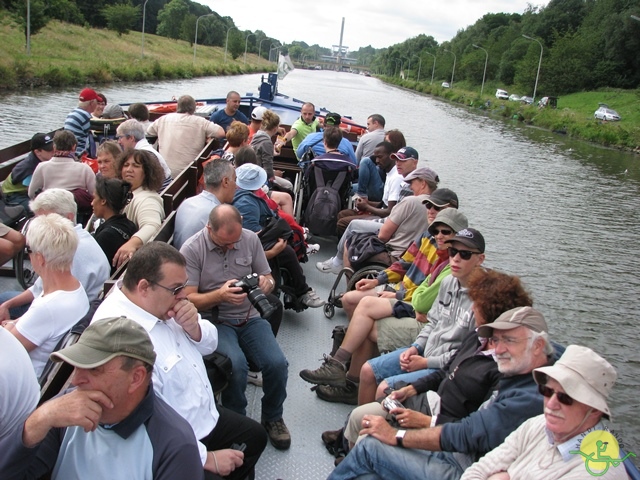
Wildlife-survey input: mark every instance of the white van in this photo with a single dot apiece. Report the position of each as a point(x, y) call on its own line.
point(502, 94)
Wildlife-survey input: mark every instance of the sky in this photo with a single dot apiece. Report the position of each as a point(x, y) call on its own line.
point(367, 22)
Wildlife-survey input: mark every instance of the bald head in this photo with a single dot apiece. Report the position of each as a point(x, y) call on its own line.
point(224, 217)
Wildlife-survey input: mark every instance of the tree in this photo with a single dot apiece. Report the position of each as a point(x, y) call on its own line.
point(236, 43)
point(170, 18)
point(121, 17)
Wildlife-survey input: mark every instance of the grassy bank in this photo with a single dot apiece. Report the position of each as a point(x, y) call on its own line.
point(64, 54)
point(573, 117)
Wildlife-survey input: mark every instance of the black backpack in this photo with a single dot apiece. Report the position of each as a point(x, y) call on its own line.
point(321, 215)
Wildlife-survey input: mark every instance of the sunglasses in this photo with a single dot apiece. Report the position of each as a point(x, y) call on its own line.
point(430, 205)
point(174, 291)
point(443, 231)
point(563, 398)
point(464, 254)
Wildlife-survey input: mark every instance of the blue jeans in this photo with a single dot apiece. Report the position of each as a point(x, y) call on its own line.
point(372, 457)
point(370, 184)
point(387, 367)
point(15, 312)
point(254, 341)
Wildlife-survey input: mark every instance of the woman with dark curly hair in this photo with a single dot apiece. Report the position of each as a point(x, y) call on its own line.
point(144, 173)
point(109, 199)
point(470, 376)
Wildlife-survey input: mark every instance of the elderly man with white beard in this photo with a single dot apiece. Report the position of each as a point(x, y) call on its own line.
point(519, 337)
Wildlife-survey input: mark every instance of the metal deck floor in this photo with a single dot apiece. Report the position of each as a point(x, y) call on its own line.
point(304, 337)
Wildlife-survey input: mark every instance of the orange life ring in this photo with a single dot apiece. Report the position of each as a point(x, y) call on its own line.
point(348, 125)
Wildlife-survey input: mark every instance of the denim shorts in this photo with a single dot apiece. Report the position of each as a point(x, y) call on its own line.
point(387, 367)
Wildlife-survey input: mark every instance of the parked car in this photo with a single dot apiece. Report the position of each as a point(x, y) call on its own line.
point(514, 98)
point(445, 84)
point(606, 113)
point(502, 94)
point(544, 101)
point(527, 100)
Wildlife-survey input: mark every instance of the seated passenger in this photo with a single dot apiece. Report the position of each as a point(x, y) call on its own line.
point(575, 391)
point(444, 396)
point(107, 154)
point(315, 141)
point(140, 112)
point(255, 212)
point(62, 171)
point(146, 210)
point(52, 243)
point(113, 408)
point(109, 200)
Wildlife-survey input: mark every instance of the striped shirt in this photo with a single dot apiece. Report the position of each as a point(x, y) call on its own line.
point(78, 122)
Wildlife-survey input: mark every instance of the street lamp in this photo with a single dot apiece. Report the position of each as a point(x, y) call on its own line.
point(195, 42)
point(454, 66)
point(635, 18)
point(433, 70)
point(260, 47)
point(419, 66)
point(535, 88)
point(485, 67)
point(29, 27)
point(226, 43)
point(271, 47)
point(246, 43)
point(144, 15)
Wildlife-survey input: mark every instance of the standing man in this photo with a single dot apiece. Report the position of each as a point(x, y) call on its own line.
point(218, 256)
point(230, 112)
point(306, 124)
point(15, 186)
point(183, 135)
point(375, 135)
point(78, 121)
point(152, 294)
point(113, 409)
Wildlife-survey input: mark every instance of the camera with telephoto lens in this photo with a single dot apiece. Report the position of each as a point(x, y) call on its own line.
point(390, 403)
point(258, 299)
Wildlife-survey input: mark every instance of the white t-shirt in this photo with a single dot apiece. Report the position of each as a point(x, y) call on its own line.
point(49, 317)
point(392, 185)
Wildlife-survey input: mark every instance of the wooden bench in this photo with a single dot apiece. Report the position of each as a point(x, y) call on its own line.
point(180, 188)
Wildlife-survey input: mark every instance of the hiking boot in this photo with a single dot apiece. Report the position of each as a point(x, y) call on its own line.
point(332, 372)
point(255, 378)
point(347, 394)
point(328, 267)
point(331, 436)
point(279, 435)
point(311, 299)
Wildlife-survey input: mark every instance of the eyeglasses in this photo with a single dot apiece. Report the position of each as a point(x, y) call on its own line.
point(175, 291)
point(563, 398)
point(506, 341)
point(443, 231)
point(430, 205)
point(464, 254)
point(118, 137)
point(28, 249)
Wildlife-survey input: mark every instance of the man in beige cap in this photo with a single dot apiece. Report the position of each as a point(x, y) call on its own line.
point(112, 413)
point(575, 392)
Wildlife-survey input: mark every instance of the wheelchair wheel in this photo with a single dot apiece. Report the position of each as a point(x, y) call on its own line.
point(370, 271)
point(329, 310)
point(22, 266)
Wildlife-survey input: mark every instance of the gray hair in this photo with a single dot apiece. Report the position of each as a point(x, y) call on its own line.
point(215, 171)
point(186, 104)
point(132, 128)
point(55, 200)
point(54, 237)
point(548, 348)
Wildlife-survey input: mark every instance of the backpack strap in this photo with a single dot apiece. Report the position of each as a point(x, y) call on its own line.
point(317, 171)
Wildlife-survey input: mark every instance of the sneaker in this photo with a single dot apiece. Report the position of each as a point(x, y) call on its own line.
point(332, 372)
point(328, 267)
point(331, 436)
point(306, 233)
point(347, 394)
point(311, 299)
point(312, 248)
point(279, 435)
point(255, 378)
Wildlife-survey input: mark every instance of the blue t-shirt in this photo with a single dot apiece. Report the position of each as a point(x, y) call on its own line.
point(221, 118)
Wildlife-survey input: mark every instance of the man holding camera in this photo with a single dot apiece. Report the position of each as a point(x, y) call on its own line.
point(222, 261)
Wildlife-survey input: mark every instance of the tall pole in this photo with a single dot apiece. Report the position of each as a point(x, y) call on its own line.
point(396, 70)
point(144, 17)
point(635, 18)
point(260, 47)
point(486, 60)
point(226, 43)
point(454, 66)
point(535, 88)
point(28, 27)
point(195, 41)
point(419, 65)
point(433, 69)
point(246, 43)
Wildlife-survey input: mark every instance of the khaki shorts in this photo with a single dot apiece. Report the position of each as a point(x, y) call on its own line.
point(394, 333)
point(4, 229)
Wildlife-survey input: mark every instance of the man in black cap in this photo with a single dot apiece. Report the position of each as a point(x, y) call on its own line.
point(114, 409)
point(15, 186)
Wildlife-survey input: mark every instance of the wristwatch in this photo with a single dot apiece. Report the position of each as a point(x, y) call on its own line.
point(400, 437)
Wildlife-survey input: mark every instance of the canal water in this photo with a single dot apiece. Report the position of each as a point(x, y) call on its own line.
point(563, 215)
